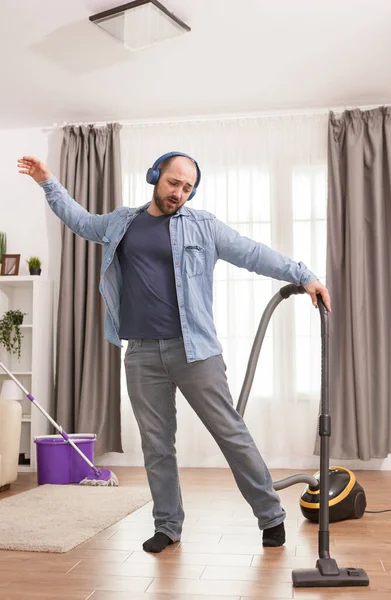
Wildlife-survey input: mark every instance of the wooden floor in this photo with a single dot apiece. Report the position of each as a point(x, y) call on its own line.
point(220, 556)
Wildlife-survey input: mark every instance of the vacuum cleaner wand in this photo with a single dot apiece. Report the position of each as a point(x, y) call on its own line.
point(326, 573)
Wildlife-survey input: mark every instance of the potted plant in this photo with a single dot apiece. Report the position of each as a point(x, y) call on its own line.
point(10, 334)
point(3, 245)
point(34, 264)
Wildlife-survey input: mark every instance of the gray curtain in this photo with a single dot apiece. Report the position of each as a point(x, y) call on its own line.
point(359, 280)
point(87, 367)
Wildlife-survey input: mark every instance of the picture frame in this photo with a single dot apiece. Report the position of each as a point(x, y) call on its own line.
point(10, 264)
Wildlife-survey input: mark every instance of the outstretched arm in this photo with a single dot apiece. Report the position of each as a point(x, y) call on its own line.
point(258, 258)
point(77, 218)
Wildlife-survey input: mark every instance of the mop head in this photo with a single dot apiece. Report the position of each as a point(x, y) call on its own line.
point(101, 477)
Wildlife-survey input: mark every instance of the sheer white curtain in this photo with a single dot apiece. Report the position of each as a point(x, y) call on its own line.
point(266, 177)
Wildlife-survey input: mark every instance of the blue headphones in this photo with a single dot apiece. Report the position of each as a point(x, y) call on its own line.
point(153, 172)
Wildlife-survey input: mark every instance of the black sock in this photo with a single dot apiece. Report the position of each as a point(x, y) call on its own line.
point(157, 543)
point(275, 536)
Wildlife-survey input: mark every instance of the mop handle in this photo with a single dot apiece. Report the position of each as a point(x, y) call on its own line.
point(49, 418)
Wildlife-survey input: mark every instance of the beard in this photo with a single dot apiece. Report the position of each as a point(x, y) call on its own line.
point(163, 202)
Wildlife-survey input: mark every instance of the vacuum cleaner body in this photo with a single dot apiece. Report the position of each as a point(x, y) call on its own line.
point(346, 497)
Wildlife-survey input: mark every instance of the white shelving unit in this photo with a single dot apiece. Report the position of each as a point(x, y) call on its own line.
point(32, 295)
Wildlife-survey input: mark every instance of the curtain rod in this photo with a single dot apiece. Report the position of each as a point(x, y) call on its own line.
point(214, 117)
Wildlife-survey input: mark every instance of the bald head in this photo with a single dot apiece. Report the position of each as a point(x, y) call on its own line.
point(185, 165)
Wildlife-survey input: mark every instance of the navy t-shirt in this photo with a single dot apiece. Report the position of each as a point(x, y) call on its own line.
point(149, 306)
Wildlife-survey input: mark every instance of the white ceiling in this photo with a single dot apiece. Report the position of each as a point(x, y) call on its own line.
point(242, 56)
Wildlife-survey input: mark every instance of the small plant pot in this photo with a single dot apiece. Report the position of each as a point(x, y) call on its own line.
point(35, 271)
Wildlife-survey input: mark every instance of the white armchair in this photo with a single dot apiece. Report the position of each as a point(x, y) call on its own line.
point(10, 432)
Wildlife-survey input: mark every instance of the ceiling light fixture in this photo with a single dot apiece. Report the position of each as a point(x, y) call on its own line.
point(140, 24)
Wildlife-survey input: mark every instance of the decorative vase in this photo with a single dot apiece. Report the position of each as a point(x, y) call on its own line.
point(11, 391)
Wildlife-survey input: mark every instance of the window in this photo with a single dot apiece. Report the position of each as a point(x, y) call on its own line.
point(309, 245)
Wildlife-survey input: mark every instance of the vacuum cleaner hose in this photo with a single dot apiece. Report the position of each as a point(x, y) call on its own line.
point(284, 293)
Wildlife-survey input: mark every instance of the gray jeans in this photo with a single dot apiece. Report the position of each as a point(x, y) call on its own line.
point(154, 369)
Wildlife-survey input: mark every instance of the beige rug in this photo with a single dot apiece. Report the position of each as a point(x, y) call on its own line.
point(56, 518)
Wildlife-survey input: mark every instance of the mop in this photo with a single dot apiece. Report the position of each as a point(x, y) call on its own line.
point(97, 476)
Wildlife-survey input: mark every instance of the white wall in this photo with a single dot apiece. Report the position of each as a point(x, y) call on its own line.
point(32, 228)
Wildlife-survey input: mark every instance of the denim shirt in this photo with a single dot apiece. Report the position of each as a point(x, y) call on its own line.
point(198, 240)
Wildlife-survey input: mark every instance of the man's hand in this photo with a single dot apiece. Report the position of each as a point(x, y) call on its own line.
point(29, 165)
point(315, 287)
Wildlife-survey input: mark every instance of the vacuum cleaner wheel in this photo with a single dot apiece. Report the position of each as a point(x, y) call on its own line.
point(346, 499)
point(360, 504)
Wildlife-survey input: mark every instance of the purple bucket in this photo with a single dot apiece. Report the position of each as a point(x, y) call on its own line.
point(58, 462)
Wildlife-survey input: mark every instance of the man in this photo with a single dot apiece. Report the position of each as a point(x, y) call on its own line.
point(157, 277)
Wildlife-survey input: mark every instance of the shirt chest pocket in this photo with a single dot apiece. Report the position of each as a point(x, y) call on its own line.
point(194, 260)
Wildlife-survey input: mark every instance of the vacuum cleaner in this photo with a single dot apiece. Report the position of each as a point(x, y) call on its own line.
point(332, 494)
